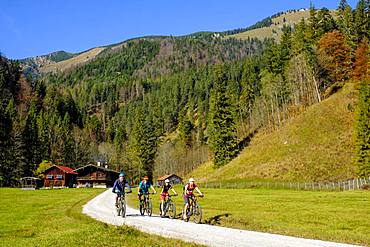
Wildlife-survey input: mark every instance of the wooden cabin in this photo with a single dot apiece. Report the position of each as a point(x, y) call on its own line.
point(59, 176)
point(174, 179)
point(95, 176)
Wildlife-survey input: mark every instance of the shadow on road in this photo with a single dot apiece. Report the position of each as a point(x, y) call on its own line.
point(216, 220)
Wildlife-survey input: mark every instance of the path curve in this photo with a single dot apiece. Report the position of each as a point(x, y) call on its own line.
point(102, 208)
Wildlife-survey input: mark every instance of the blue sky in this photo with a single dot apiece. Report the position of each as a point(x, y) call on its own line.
point(30, 28)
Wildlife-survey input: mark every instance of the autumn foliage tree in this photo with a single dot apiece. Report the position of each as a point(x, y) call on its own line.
point(361, 65)
point(334, 56)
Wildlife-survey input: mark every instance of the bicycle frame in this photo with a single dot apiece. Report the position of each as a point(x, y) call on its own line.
point(192, 209)
point(145, 204)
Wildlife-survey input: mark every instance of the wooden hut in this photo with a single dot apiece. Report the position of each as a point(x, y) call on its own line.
point(95, 176)
point(59, 176)
point(174, 179)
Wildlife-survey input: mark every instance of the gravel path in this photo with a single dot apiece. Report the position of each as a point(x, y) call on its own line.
point(102, 208)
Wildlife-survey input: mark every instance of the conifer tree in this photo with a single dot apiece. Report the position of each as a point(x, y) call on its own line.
point(362, 20)
point(248, 82)
point(325, 22)
point(362, 131)
point(30, 137)
point(222, 132)
point(345, 23)
point(6, 168)
point(143, 145)
point(185, 127)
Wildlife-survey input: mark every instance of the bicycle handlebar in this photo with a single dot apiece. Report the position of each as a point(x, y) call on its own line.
point(149, 193)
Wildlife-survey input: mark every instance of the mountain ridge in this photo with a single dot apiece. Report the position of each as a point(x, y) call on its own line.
point(56, 61)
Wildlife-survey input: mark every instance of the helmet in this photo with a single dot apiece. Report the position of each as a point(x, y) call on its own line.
point(122, 174)
point(167, 181)
point(191, 180)
point(146, 178)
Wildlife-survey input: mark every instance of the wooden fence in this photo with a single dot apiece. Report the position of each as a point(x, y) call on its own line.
point(353, 184)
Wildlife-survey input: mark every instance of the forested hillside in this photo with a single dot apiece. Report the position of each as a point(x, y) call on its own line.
point(317, 145)
point(158, 105)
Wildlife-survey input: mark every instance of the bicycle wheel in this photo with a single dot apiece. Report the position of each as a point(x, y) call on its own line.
point(142, 208)
point(185, 214)
point(123, 208)
point(160, 209)
point(197, 214)
point(149, 209)
point(118, 210)
point(171, 210)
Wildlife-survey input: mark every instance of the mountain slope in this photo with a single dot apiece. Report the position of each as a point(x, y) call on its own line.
point(314, 146)
point(274, 30)
point(77, 59)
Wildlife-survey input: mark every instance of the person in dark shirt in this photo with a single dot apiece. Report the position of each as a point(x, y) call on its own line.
point(164, 193)
point(119, 186)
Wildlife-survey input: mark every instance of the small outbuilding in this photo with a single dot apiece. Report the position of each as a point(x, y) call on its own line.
point(174, 179)
point(30, 183)
point(59, 176)
point(95, 176)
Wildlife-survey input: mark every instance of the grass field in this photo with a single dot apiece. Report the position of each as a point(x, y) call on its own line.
point(54, 218)
point(317, 145)
point(333, 216)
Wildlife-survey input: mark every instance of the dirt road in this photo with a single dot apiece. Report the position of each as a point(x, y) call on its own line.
point(102, 208)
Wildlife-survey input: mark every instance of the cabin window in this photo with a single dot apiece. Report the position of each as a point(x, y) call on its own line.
point(59, 176)
point(49, 176)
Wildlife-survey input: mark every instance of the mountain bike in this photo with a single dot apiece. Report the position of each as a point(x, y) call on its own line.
point(193, 211)
point(146, 205)
point(121, 209)
point(169, 207)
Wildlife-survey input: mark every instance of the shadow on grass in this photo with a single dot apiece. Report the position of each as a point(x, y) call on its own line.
point(245, 142)
point(216, 220)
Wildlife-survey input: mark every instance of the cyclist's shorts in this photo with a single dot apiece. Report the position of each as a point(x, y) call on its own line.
point(163, 196)
point(186, 198)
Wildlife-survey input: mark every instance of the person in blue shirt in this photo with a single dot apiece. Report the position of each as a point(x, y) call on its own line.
point(119, 186)
point(144, 187)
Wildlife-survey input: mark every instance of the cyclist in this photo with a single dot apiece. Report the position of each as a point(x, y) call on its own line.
point(119, 186)
point(143, 188)
point(188, 193)
point(164, 193)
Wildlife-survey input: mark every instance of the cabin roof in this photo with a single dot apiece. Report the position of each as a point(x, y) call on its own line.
point(67, 169)
point(167, 176)
point(98, 167)
point(62, 168)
